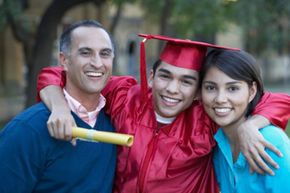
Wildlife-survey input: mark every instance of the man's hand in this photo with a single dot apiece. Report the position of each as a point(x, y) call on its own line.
point(60, 125)
point(253, 145)
point(61, 121)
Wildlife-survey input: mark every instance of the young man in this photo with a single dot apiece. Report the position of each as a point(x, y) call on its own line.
point(172, 149)
point(32, 161)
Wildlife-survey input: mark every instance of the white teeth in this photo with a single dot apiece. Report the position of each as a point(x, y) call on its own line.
point(171, 100)
point(222, 110)
point(95, 74)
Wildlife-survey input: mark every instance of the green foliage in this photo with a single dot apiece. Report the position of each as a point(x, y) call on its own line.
point(3, 19)
point(153, 9)
point(117, 2)
point(10, 8)
point(265, 23)
point(199, 17)
point(288, 129)
point(190, 17)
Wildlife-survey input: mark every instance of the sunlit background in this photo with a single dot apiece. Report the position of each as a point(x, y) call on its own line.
point(29, 30)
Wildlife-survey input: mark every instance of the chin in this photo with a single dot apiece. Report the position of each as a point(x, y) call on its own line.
point(222, 123)
point(169, 114)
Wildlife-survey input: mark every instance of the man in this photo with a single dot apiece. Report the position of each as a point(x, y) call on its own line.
point(173, 137)
point(32, 161)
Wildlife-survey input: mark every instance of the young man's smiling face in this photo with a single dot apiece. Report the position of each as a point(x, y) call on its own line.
point(173, 89)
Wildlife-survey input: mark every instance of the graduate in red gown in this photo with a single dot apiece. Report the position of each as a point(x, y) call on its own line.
point(172, 150)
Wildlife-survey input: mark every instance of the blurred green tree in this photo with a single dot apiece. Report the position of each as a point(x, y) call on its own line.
point(37, 42)
point(198, 20)
point(265, 23)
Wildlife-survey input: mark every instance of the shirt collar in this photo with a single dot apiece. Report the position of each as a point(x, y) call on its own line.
point(164, 120)
point(81, 111)
point(224, 146)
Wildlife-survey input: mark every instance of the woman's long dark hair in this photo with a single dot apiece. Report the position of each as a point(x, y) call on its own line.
point(238, 65)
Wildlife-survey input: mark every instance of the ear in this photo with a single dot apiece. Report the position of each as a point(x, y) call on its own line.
point(252, 91)
point(151, 77)
point(63, 60)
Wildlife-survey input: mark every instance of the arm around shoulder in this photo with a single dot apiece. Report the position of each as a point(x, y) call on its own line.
point(50, 76)
point(275, 107)
point(116, 92)
point(51, 80)
point(60, 121)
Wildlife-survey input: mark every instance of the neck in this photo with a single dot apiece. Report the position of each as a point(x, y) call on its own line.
point(89, 101)
point(234, 143)
point(232, 134)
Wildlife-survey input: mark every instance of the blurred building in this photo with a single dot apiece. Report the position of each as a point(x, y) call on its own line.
point(12, 63)
point(131, 22)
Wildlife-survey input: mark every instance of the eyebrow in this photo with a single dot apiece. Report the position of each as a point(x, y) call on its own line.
point(228, 83)
point(164, 70)
point(103, 49)
point(234, 82)
point(84, 48)
point(108, 49)
point(190, 77)
point(183, 76)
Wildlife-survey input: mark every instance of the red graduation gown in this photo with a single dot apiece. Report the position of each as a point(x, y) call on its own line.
point(173, 158)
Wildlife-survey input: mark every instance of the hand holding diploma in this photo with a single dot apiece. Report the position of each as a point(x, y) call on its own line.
point(102, 136)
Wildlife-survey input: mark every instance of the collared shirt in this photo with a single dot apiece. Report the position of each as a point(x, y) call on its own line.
point(81, 111)
point(236, 178)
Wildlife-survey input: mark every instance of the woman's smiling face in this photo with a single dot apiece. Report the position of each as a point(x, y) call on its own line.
point(226, 100)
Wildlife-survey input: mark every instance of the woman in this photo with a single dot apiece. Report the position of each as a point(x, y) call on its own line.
point(231, 86)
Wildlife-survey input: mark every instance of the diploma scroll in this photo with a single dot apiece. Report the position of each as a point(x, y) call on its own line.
point(103, 136)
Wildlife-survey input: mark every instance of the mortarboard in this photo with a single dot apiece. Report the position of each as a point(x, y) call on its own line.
point(182, 53)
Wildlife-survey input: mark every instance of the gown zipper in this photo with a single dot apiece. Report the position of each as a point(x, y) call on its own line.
point(148, 158)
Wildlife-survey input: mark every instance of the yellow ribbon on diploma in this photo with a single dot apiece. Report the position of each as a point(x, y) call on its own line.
point(103, 136)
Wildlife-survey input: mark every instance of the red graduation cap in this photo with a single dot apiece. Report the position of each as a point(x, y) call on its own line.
point(182, 53)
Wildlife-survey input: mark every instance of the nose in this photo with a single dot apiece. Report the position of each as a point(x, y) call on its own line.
point(172, 86)
point(96, 61)
point(220, 97)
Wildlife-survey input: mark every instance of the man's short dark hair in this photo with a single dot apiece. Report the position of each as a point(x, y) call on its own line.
point(65, 39)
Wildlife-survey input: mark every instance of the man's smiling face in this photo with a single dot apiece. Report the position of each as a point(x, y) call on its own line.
point(89, 63)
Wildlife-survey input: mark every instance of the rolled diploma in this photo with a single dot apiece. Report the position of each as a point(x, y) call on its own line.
point(102, 136)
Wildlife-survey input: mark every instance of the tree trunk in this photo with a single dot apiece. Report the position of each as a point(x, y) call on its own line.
point(116, 18)
point(164, 20)
point(46, 35)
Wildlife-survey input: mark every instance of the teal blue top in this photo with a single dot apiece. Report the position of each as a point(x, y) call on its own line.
point(236, 178)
